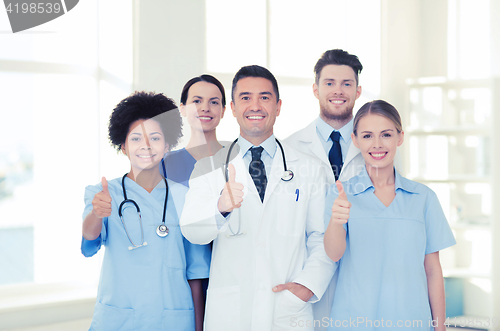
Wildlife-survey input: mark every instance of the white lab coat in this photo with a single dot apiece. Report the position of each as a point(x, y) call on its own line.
point(307, 141)
point(282, 242)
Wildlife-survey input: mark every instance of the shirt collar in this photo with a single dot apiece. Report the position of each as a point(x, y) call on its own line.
point(404, 183)
point(346, 131)
point(362, 182)
point(325, 130)
point(269, 145)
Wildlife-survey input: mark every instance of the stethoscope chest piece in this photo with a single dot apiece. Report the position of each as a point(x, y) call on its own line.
point(287, 175)
point(162, 230)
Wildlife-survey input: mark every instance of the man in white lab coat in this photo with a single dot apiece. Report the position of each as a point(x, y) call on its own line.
point(337, 88)
point(329, 136)
point(268, 261)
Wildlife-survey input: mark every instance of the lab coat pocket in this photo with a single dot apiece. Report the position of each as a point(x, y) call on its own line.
point(222, 311)
point(112, 318)
point(292, 313)
point(177, 320)
point(290, 212)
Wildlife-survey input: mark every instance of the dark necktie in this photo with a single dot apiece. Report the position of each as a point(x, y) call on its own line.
point(335, 155)
point(258, 171)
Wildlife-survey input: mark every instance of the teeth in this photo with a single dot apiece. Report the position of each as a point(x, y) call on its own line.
point(145, 156)
point(255, 117)
point(204, 118)
point(337, 102)
point(378, 154)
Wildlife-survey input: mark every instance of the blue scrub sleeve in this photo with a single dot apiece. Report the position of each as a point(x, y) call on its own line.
point(90, 247)
point(438, 231)
point(198, 259)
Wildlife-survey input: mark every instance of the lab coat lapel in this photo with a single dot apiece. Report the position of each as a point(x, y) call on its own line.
point(353, 164)
point(274, 177)
point(243, 176)
point(310, 137)
point(351, 154)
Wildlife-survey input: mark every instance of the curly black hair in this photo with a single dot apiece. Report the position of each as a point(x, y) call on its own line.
point(142, 106)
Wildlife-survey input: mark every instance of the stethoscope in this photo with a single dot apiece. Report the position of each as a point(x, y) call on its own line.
point(161, 230)
point(286, 177)
point(287, 174)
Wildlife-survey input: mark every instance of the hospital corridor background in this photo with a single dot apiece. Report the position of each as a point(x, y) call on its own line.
point(436, 61)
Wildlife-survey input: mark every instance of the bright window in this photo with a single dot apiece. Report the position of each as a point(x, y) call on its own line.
point(59, 83)
point(288, 37)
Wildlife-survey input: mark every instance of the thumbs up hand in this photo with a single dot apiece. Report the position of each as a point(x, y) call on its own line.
point(335, 234)
point(341, 206)
point(101, 204)
point(232, 195)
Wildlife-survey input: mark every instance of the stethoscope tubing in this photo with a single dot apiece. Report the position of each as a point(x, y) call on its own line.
point(286, 171)
point(287, 176)
point(126, 200)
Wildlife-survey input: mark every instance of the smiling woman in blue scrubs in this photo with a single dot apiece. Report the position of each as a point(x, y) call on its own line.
point(387, 232)
point(203, 103)
point(147, 270)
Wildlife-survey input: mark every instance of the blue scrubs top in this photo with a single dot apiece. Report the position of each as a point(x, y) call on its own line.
point(179, 165)
point(382, 280)
point(145, 288)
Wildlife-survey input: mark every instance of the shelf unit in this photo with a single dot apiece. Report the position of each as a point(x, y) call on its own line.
point(452, 146)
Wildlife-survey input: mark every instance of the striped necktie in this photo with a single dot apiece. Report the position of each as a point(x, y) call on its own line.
point(258, 171)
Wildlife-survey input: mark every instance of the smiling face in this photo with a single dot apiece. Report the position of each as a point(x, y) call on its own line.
point(145, 144)
point(378, 139)
point(336, 91)
point(203, 108)
point(255, 108)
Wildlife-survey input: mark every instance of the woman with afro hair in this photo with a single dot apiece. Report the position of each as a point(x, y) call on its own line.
point(148, 266)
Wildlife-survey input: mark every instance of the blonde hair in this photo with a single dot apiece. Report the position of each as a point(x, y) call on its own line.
point(379, 107)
